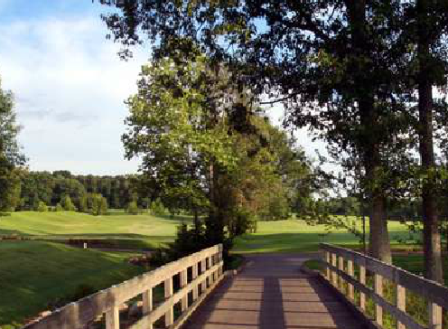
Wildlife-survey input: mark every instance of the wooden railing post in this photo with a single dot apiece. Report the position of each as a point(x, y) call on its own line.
point(113, 318)
point(335, 275)
point(148, 303)
point(183, 283)
point(328, 260)
point(435, 316)
point(351, 272)
point(401, 303)
point(378, 285)
point(203, 269)
point(362, 280)
point(169, 315)
point(194, 275)
point(341, 268)
point(212, 275)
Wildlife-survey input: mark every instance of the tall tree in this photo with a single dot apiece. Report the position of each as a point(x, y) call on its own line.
point(327, 61)
point(427, 25)
point(11, 158)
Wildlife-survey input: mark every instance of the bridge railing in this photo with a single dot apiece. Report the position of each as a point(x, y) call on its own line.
point(199, 273)
point(340, 271)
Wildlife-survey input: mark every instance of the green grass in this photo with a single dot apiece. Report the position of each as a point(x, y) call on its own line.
point(33, 275)
point(127, 231)
point(296, 236)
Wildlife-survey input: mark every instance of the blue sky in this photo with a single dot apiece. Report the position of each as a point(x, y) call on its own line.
point(70, 85)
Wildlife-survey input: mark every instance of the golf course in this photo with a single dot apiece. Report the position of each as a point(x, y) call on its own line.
point(41, 272)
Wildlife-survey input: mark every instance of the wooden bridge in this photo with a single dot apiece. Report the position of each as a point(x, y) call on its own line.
point(270, 292)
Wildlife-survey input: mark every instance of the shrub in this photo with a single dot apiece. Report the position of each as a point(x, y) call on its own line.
point(97, 204)
point(59, 207)
point(67, 204)
point(132, 208)
point(42, 207)
point(157, 208)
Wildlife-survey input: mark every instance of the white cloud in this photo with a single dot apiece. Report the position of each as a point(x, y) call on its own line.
point(69, 86)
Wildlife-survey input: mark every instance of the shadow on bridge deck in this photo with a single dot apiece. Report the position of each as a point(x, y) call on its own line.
point(271, 293)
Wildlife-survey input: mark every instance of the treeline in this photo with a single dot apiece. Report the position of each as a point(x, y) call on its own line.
point(84, 193)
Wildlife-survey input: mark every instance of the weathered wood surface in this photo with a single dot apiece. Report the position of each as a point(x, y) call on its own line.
point(77, 315)
point(436, 295)
point(271, 293)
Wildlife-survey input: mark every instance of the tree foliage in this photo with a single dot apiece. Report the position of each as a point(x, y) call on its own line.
point(11, 159)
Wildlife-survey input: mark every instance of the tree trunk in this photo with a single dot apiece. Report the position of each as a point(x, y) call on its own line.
point(379, 241)
point(431, 234)
point(369, 145)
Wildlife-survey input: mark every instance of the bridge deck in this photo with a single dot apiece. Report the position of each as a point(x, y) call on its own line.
point(271, 293)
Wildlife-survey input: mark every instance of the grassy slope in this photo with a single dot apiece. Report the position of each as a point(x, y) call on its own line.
point(34, 274)
point(296, 236)
point(133, 231)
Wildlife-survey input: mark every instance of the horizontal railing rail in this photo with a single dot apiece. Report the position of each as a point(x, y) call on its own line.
point(205, 268)
point(340, 268)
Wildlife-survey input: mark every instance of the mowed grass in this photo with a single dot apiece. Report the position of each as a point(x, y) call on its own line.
point(128, 231)
point(147, 231)
point(297, 236)
point(35, 274)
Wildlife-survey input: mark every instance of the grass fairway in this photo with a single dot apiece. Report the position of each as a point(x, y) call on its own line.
point(296, 236)
point(128, 231)
point(34, 274)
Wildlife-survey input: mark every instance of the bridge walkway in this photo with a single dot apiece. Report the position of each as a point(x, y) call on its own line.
point(271, 293)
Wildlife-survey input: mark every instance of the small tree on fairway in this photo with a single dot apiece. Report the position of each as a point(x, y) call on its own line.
point(59, 208)
point(10, 157)
point(132, 208)
point(42, 207)
point(67, 204)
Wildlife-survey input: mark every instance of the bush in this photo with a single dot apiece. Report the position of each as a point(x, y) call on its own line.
point(97, 204)
point(42, 207)
point(132, 208)
point(157, 208)
point(67, 204)
point(59, 207)
point(241, 221)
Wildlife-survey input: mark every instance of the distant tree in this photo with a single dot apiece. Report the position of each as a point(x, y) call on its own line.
point(11, 158)
point(42, 207)
point(59, 208)
point(67, 203)
point(96, 204)
point(157, 208)
point(132, 208)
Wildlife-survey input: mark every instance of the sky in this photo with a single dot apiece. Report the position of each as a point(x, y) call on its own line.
point(70, 86)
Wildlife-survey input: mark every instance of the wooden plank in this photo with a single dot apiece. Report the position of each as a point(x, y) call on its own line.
point(170, 302)
point(428, 289)
point(194, 276)
point(79, 314)
point(328, 260)
point(379, 300)
point(204, 270)
point(113, 318)
point(148, 305)
point(401, 303)
point(362, 280)
point(351, 272)
point(341, 268)
point(169, 313)
point(435, 316)
point(183, 283)
point(147, 301)
point(335, 276)
point(378, 286)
